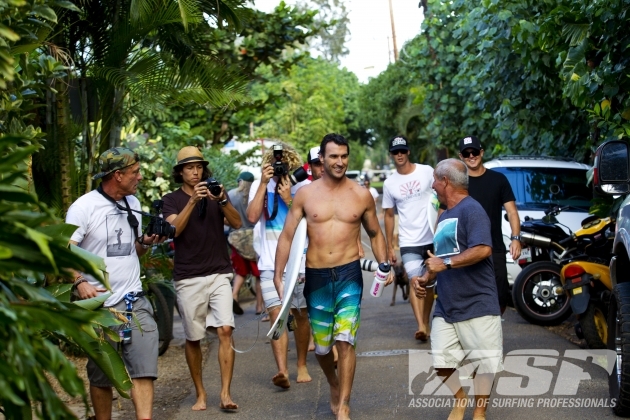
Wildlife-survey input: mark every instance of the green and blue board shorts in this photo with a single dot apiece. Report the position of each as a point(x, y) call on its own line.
point(333, 297)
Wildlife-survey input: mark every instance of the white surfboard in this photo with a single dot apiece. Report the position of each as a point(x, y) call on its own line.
point(433, 206)
point(290, 279)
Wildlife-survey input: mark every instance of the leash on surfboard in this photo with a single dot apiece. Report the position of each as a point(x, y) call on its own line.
point(257, 318)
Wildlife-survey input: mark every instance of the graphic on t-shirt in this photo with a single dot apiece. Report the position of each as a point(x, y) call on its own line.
point(410, 190)
point(273, 228)
point(445, 239)
point(119, 236)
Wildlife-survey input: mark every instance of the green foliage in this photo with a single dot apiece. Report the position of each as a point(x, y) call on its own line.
point(332, 15)
point(524, 77)
point(34, 247)
point(275, 40)
point(315, 98)
point(158, 156)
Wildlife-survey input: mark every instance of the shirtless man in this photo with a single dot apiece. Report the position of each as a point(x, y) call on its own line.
point(335, 207)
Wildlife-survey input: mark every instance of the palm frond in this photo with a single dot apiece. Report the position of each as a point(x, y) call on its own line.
point(576, 32)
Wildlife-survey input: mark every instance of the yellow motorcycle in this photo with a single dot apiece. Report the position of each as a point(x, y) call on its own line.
point(588, 282)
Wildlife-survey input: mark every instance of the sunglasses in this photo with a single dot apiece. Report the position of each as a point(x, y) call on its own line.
point(398, 152)
point(468, 153)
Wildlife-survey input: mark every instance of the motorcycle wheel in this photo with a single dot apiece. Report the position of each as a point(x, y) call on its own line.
point(534, 294)
point(619, 342)
point(594, 327)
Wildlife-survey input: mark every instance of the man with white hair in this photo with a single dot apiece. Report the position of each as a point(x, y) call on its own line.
point(467, 317)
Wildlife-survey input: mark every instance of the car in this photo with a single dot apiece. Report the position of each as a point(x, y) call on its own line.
point(539, 182)
point(354, 175)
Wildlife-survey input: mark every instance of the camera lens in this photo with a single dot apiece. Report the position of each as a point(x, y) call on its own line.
point(298, 175)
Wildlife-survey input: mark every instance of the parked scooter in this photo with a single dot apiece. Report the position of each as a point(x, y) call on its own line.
point(589, 285)
point(538, 293)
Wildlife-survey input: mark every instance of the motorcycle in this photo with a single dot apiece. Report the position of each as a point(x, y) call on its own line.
point(538, 293)
point(589, 285)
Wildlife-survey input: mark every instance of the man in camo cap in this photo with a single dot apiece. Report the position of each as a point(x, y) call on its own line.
point(109, 231)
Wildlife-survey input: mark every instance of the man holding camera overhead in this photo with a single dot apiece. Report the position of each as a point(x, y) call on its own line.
point(202, 270)
point(270, 199)
point(108, 228)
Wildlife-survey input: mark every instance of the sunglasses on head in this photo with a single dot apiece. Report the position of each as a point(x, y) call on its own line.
point(468, 153)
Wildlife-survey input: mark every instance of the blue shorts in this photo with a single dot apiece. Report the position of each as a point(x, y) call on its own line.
point(333, 296)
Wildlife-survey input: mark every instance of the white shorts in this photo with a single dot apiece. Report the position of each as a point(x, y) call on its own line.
point(270, 294)
point(204, 302)
point(477, 340)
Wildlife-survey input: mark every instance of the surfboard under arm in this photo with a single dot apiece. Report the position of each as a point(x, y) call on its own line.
point(290, 279)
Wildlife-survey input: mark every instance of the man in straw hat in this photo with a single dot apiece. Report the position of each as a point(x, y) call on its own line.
point(202, 270)
point(108, 230)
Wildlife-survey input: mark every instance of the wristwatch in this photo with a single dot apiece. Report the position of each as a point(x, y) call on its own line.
point(515, 237)
point(447, 263)
point(224, 202)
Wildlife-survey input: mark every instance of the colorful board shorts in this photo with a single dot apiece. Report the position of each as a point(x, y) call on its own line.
point(333, 296)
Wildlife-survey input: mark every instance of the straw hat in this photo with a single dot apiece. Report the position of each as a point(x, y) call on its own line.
point(189, 154)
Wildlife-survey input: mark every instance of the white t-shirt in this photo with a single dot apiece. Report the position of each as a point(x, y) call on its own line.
point(269, 230)
point(410, 194)
point(374, 193)
point(104, 231)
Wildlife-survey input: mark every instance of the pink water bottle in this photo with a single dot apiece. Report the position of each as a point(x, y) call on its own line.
point(380, 277)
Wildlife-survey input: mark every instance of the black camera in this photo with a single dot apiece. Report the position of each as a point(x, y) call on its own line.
point(279, 168)
point(214, 186)
point(157, 225)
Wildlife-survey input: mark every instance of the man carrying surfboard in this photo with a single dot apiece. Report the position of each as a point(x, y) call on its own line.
point(269, 201)
point(334, 207)
point(409, 191)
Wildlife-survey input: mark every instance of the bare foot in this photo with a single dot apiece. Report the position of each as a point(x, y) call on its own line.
point(303, 375)
point(392, 304)
point(311, 344)
point(334, 399)
point(227, 403)
point(281, 380)
point(200, 405)
point(459, 409)
point(344, 411)
point(479, 416)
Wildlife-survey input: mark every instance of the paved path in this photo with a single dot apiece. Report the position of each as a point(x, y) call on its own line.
point(381, 388)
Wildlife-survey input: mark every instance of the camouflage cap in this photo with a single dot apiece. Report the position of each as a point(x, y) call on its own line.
point(115, 159)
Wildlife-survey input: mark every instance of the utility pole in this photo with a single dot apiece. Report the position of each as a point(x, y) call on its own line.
point(391, 17)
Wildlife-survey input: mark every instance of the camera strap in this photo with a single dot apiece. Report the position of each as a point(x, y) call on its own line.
point(133, 221)
point(274, 212)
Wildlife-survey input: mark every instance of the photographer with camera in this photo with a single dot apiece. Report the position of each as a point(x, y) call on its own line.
point(107, 228)
point(269, 201)
point(202, 271)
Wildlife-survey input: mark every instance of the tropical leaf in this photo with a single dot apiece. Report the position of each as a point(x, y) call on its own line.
point(575, 33)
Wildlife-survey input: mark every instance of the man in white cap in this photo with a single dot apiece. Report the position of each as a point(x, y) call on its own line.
point(315, 164)
point(202, 270)
point(408, 190)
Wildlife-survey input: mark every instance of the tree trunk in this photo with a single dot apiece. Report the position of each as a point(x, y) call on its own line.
point(62, 104)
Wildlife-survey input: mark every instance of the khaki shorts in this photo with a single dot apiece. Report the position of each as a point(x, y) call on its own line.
point(140, 357)
point(477, 340)
point(204, 302)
